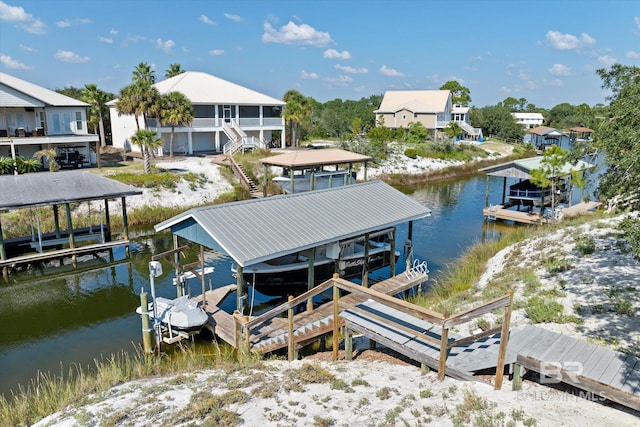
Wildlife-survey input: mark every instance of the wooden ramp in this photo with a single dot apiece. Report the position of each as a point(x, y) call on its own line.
point(220, 323)
point(309, 325)
point(589, 367)
point(499, 212)
point(580, 208)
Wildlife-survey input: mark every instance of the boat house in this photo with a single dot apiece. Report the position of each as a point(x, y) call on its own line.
point(259, 230)
point(524, 193)
point(308, 170)
point(56, 189)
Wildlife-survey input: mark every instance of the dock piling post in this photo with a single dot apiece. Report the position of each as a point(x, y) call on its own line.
point(336, 320)
point(290, 323)
point(348, 344)
point(146, 325)
point(516, 384)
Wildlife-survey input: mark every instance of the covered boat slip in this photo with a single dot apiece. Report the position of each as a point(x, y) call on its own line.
point(44, 189)
point(524, 193)
point(258, 230)
point(305, 170)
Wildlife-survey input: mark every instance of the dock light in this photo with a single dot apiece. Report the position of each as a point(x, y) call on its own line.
point(155, 270)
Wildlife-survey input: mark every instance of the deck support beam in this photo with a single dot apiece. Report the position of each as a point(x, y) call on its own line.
point(486, 192)
point(107, 219)
point(56, 220)
point(290, 348)
point(392, 261)
point(336, 320)
point(3, 253)
point(365, 265)
point(504, 189)
point(516, 384)
point(504, 340)
point(311, 254)
point(348, 344)
point(72, 242)
point(125, 222)
point(239, 286)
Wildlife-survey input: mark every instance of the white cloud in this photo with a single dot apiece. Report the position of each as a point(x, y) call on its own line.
point(559, 41)
point(83, 21)
point(308, 76)
point(339, 80)
point(68, 56)
point(352, 70)
point(206, 20)
point(134, 38)
point(291, 33)
point(434, 78)
point(633, 55)
point(559, 70)
point(216, 52)
point(105, 39)
point(607, 60)
point(236, 18)
point(505, 89)
point(113, 32)
point(334, 54)
point(165, 46)
point(63, 24)
point(636, 20)
point(11, 63)
point(21, 19)
point(457, 79)
point(28, 48)
point(390, 72)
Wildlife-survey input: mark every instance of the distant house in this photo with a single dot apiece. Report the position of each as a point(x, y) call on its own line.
point(432, 108)
point(580, 133)
point(227, 117)
point(33, 118)
point(542, 137)
point(529, 120)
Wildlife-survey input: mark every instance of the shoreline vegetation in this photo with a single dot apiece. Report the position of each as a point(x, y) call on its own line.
point(458, 287)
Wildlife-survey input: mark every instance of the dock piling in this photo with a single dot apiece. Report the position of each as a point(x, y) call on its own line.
point(147, 334)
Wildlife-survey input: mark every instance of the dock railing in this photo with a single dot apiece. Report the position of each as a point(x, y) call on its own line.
point(244, 325)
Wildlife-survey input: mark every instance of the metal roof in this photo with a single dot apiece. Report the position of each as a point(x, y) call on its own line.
point(256, 230)
point(49, 188)
point(417, 101)
point(14, 91)
point(522, 168)
point(308, 158)
point(205, 89)
point(544, 130)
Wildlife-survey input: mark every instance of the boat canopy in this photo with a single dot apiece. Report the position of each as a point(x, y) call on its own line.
point(304, 159)
point(257, 230)
point(522, 168)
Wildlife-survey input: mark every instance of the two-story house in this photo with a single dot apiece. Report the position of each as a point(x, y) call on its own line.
point(33, 118)
point(543, 137)
point(528, 120)
point(227, 117)
point(432, 108)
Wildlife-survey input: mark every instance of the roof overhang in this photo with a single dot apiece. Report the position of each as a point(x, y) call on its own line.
point(52, 188)
point(522, 168)
point(309, 158)
point(257, 230)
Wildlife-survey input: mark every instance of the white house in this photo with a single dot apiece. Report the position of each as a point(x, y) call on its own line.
point(33, 118)
point(227, 117)
point(528, 120)
point(432, 108)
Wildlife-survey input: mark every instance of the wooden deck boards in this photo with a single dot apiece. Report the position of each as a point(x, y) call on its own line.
point(580, 208)
point(22, 259)
point(498, 212)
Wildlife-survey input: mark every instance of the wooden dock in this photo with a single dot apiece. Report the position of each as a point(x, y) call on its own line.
point(595, 369)
point(220, 323)
point(522, 217)
point(60, 253)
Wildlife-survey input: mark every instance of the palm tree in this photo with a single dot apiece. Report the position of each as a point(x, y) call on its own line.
point(138, 99)
point(176, 110)
point(148, 140)
point(297, 109)
point(97, 99)
point(50, 155)
point(144, 73)
point(174, 70)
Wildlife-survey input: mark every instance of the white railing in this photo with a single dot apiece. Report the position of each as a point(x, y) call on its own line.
point(205, 122)
point(249, 122)
point(238, 129)
point(272, 121)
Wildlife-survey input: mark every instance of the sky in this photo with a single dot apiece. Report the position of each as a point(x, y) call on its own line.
point(546, 51)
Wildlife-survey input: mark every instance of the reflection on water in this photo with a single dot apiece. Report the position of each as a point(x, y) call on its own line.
point(52, 319)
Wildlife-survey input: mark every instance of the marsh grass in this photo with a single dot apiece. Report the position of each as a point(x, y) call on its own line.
point(49, 392)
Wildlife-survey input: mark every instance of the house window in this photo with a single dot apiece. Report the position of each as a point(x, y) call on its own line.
point(404, 117)
point(78, 120)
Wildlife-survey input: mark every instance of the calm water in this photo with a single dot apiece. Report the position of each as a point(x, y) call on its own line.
point(53, 320)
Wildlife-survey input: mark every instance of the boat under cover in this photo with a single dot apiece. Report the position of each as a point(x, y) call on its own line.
point(289, 274)
point(181, 313)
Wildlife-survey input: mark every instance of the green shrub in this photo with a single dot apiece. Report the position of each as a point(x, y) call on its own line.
point(631, 229)
point(412, 153)
point(542, 310)
point(585, 245)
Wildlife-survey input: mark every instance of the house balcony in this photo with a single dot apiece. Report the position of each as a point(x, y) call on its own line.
point(245, 122)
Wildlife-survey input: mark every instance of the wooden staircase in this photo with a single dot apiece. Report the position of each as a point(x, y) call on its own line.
point(241, 173)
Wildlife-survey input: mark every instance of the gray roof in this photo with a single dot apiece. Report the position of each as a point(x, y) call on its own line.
point(309, 158)
point(521, 168)
point(15, 92)
point(49, 188)
point(256, 230)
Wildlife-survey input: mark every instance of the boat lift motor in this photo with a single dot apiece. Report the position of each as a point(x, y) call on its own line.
point(155, 270)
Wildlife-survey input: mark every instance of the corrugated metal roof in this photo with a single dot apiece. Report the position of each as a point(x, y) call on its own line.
point(48, 188)
point(46, 96)
point(256, 230)
point(308, 158)
point(581, 129)
point(203, 88)
point(522, 168)
point(417, 101)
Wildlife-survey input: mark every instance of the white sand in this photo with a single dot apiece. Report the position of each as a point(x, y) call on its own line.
point(413, 399)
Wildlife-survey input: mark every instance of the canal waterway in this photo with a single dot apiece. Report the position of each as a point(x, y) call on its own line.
point(54, 321)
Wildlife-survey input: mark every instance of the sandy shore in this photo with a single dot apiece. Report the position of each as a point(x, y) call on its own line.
point(379, 390)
